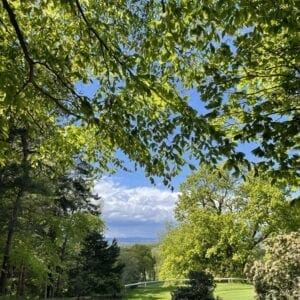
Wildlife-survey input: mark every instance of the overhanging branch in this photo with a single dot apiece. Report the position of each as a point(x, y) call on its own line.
point(13, 20)
point(31, 63)
point(56, 101)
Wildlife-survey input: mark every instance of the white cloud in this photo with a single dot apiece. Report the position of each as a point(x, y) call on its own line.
point(135, 210)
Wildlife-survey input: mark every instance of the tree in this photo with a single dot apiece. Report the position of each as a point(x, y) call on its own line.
point(43, 227)
point(18, 179)
point(143, 56)
point(139, 263)
point(98, 270)
point(223, 240)
point(131, 272)
point(76, 212)
point(207, 188)
point(277, 274)
point(205, 241)
point(202, 286)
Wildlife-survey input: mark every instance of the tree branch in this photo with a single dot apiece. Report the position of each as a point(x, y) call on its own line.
point(31, 64)
point(64, 82)
point(13, 20)
point(56, 101)
point(90, 27)
point(163, 5)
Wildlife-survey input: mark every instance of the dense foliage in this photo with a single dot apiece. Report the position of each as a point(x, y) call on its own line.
point(222, 223)
point(139, 263)
point(97, 270)
point(202, 286)
point(277, 275)
point(44, 222)
point(142, 60)
point(86, 80)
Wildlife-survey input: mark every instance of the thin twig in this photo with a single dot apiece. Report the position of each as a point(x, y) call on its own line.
point(35, 121)
point(90, 27)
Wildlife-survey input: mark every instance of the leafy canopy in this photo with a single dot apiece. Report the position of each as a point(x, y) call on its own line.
point(52, 217)
point(242, 57)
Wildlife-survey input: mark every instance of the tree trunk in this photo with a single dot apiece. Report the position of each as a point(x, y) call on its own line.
point(50, 285)
point(46, 287)
point(4, 274)
point(21, 281)
point(58, 291)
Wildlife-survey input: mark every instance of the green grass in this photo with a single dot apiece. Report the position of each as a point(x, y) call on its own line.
point(150, 292)
point(235, 291)
point(227, 291)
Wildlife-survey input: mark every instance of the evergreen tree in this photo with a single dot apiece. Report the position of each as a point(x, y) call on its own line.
point(97, 270)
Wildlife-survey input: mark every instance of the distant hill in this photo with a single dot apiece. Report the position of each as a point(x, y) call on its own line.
point(134, 240)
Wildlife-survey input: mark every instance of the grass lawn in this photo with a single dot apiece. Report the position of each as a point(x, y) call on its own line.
point(235, 291)
point(227, 291)
point(150, 292)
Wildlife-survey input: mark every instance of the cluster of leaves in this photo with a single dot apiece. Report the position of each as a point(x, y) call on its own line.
point(202, 287)
point(247, 73)
point(222, 223)
point(277, 274)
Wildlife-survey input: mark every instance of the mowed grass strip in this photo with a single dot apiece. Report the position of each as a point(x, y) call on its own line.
point(227, 291)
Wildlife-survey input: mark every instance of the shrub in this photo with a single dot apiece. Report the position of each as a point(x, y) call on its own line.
point(201, 287)
point(277, 275)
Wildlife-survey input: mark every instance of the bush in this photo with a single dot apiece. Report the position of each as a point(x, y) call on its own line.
point(277, 275)
point(201, 287)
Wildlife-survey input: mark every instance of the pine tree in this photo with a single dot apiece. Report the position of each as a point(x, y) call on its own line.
point(97, 270)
